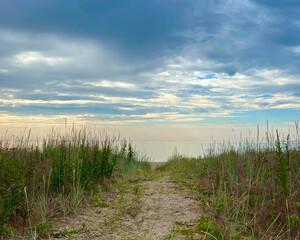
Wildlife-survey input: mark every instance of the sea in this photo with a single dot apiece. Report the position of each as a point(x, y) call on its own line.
point(161, 151)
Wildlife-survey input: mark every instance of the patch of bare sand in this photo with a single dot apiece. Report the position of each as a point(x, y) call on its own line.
point(163, 205)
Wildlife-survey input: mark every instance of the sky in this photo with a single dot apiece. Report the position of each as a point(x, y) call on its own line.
point(150, 70)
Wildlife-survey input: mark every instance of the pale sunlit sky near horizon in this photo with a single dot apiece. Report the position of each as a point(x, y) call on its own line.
point(150, 70)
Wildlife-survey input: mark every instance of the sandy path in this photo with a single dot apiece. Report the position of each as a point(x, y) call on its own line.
point(162, 205)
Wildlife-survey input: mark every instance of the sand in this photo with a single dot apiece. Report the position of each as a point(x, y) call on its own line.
point(158, 208)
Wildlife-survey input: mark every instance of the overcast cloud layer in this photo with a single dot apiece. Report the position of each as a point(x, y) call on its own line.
point(167, 63)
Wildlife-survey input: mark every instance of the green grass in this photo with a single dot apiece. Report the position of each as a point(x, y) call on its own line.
point(247, 193)
point(251, 193)
point(54, 178)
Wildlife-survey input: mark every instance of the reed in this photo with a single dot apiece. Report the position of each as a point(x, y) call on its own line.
point(246, 190)
point(55, 173)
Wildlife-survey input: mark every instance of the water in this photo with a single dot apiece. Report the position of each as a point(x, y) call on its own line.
point(160, 151)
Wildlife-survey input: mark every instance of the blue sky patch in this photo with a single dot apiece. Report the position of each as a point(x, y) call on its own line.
point(208, 76)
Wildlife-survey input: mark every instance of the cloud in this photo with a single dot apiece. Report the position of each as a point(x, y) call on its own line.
point(162, 62)
point(279, 4)
point(143, 27)
point(32, 57)
point(126, 108)
point(38, 60)
point(110, 84)
point(3, 71)
point(235, 42)
point(213, 32)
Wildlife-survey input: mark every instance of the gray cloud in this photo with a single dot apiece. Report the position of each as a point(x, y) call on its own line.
point(243, 34)
point(136, 27)
point(148, 59)
point(288, 4)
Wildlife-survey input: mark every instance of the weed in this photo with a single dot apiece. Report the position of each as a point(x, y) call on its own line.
point(295, 220)
point(235, 237)
point(282, 165)
point(209, 228)
point(184, 231)
point(99, 201)
point(7, 230)
point(67, 232)
point(43, 229)
point(251, 189)
point(52, 177)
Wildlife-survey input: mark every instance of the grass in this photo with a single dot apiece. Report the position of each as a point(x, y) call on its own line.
point(41, 180)
point(248, 192)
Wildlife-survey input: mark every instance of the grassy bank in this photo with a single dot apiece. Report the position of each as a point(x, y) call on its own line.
point(40, 180)
point(249, 192)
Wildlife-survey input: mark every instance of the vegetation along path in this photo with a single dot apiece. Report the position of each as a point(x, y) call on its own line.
point(79, 189)
point(142, 209)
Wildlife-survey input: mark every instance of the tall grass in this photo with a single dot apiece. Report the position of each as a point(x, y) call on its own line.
point(253, 192)
point(40, 180)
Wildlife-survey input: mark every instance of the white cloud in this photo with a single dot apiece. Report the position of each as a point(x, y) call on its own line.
point(288, 106)
point(74, 54)
point(47, 102)
point(125, 108)
point(111, 84)
point(3, 71)
point(167, 117)
point(9, 119)
point(295, 49)
point(283, 100)
point(33, 57)
point(198, 101)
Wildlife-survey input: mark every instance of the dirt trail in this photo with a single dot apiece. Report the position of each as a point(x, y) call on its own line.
point(162, 207)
